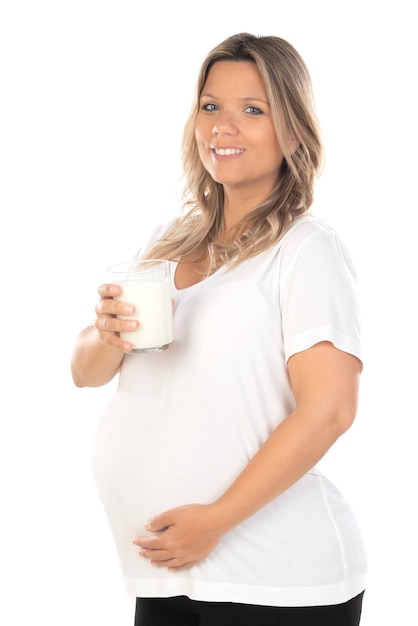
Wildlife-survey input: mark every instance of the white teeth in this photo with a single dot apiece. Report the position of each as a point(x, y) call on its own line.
point(228, 151)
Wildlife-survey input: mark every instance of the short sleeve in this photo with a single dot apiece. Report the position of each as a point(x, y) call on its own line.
point(318, 291)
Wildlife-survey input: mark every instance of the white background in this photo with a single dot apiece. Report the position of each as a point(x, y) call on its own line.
point(94, 95)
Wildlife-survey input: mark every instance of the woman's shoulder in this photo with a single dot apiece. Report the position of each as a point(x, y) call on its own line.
point(308, 225)
point(310, 230)
point(316, 239)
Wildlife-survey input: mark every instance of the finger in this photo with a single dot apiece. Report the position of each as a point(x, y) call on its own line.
point(167, 563)
point(178, 568)
point(155, 553)
point(109, 290)
point(115, 325)
point(159, 523)
point(173, 564)
point(151, 542)
point(110, 306)
point(113, 341)
point(111, 338)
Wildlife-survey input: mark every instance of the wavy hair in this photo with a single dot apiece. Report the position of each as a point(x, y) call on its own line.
point(196, 232)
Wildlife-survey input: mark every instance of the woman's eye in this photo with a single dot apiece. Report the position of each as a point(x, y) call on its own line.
point(209, 107)
point(254, 110)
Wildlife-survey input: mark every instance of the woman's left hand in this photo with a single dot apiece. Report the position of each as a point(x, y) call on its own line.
point(182, 537)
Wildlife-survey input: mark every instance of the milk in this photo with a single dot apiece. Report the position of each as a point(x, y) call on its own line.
point(153, 310)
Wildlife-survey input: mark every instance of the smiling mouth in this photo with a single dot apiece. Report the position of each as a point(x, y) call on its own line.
point(228, 151)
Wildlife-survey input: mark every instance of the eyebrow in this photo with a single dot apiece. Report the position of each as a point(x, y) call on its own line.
point(246, 99)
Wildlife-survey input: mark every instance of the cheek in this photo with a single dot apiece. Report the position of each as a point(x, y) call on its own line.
point(200, 135)
point(268, 139)
point(200, 149)
point(202, 146)
point(274, 150)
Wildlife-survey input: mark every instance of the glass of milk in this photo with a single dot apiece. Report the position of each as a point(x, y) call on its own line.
point(146, 285)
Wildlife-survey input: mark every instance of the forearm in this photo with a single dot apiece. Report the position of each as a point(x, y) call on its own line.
point(94, 363)
point(292, 449)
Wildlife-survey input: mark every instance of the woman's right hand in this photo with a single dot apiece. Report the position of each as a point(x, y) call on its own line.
point(107, 323)
point(99, 350)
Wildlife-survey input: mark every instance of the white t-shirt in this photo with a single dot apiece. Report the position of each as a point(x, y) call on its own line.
point(184, 423)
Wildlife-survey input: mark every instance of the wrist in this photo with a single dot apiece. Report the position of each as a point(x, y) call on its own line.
point(224, 517)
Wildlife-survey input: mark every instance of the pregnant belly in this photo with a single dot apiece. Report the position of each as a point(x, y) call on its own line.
point(148, 461)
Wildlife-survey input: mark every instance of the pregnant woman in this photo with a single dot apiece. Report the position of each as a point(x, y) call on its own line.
point(206, 458)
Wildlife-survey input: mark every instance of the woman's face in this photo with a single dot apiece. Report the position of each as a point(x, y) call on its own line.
point(234, 129)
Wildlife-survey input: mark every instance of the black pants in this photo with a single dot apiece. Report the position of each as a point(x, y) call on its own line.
point(181, 611)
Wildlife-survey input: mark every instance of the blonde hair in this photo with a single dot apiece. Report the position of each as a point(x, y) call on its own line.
point(289, 90)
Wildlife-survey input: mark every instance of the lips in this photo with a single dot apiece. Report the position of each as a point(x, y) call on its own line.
point(227, 151)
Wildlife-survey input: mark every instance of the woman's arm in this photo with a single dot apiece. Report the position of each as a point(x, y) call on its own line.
point(325, 384)
point(99, 350)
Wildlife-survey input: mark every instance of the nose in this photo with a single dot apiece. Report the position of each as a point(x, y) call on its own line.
point(225, 124)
